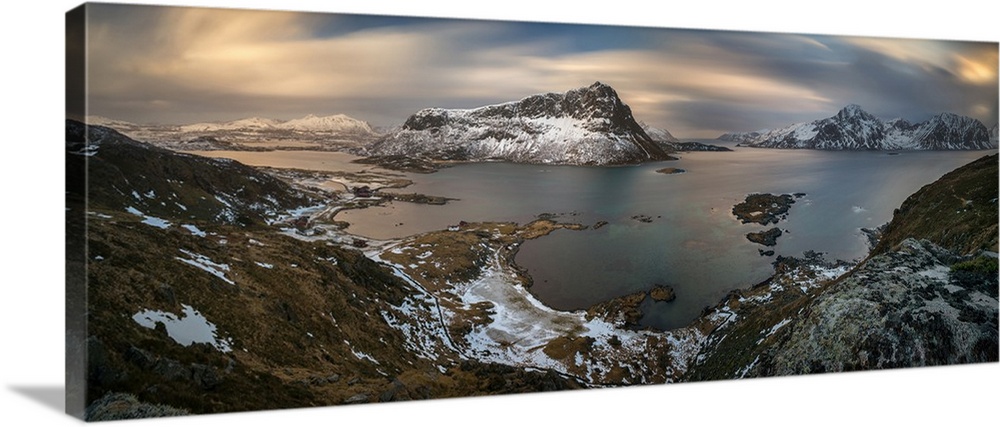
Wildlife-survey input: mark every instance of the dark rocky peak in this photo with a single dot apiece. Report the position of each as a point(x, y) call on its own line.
point(427, 118)
point(901, 124)
point(854, 112)
point(79, 134)
point(541, 105)
point(956, 121)
point(597, 101)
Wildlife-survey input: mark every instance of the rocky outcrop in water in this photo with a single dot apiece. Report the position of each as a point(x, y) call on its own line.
point(765, 208)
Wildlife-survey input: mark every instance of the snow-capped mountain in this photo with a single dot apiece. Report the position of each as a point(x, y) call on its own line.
point(947, 131)
point(251, 123)
point(742, 136)
point(589, 125)
point(853, 128)
point(334, 123)
point(337, 123)
point(994, 133)
point(109, 122)
point(330, 132)
point(658, 134)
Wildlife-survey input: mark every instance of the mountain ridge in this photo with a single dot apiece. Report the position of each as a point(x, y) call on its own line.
point(853, 128)
point(586, 126)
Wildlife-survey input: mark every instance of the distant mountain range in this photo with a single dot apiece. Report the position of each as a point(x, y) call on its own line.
point(327, 132)
point(853, 128)
point(742, 136)
point(338, 123)
point(585, 126)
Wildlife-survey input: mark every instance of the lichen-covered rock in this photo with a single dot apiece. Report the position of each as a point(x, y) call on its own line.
point(899, 309)
point(124, 406)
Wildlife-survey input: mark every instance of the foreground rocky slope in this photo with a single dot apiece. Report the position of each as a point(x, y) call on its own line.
point(926, 296)
point(208, 308)
point(585, 126)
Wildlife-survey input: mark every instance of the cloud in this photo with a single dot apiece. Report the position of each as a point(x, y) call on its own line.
point(152, 64)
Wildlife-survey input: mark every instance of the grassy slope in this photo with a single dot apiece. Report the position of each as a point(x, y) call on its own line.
point(298, 329)
point(957, 212)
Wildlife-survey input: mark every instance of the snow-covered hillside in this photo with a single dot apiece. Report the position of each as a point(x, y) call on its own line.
point(658, 134)
point(853, 128)
point(336, 123)
point(310, 132)
point(589, 125)
point(251, 123)
point(742, 136)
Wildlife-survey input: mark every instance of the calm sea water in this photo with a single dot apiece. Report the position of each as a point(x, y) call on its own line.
point(693, 243)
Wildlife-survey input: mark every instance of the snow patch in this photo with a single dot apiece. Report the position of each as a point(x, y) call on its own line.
point(194, 230)
point(189, 328)
point(206, 264)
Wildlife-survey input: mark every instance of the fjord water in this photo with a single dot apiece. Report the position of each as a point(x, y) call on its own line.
point(693, 242)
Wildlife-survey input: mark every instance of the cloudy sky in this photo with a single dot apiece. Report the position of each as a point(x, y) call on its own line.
point(184, 65)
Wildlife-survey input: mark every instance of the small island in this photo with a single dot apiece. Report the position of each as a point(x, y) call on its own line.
point(670, 171)
point(764, 208)
point(766, 238)
point(662, 293)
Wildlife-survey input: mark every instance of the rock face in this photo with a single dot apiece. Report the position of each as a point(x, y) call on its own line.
point(853, 128)
point(586, 126)
point(904, 308)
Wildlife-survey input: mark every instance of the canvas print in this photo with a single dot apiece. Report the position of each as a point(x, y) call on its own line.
point(280, 209)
